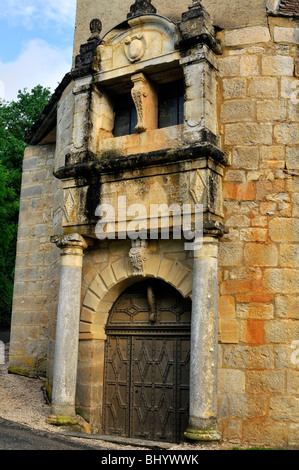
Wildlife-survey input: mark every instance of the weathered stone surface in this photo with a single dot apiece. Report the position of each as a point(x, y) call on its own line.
point(293, 439)
point(265, 433)
point(289, 255)
point(277, 65)
point(286, 306)
point(246, 157)
point(284, 230)
point(229, 331)
point(248, 133)
point(253, 234)
point(234, 88)
point(256, 254)
point(287, 133)
point(255, 310)
point(231, 381)
point(266, 381)
point(288, 35)
point(245, 191)
point(229, 66)
point(263, 87)
point(274, 110)
point(251, 35)
point(249, 66)
point(226, 306)
point(245, 357)
point(284, 408)
point(247, 406)
point(281, 281)
point(231, 254)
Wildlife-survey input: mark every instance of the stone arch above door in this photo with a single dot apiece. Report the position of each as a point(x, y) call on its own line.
point(112, 280)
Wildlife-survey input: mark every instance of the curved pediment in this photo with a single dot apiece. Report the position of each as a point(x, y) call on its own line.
point(138, 39)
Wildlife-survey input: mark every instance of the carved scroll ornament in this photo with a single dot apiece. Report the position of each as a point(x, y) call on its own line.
point(139, 95)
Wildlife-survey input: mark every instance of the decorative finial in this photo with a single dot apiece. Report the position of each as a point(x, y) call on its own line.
point(195, 4)
point(87, 60)
point(95, 29)
point(141, 7)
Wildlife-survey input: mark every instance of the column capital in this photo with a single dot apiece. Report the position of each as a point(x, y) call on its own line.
point(72, 240)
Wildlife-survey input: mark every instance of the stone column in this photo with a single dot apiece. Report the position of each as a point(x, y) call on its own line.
point(204, 343)
point(67, 329)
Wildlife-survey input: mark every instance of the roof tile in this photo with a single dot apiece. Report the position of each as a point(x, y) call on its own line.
point(289, 6)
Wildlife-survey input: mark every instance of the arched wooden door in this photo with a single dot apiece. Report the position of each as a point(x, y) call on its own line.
point(146, 383)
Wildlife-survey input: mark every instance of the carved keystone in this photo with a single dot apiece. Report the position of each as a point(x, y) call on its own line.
point(138, 256)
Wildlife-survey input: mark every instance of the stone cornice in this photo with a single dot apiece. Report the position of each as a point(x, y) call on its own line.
point(141, 160)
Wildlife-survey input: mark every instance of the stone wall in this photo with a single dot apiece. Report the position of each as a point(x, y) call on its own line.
point(259, 258)
point(33, 274)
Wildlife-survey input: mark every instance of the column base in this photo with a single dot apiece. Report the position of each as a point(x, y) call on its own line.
point(62, 416)
point(62, 420)
point(203, 430)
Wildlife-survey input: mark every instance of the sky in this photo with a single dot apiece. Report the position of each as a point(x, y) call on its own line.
point(36, 40)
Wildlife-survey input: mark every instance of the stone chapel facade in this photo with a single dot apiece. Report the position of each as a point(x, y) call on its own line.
point(167, 103)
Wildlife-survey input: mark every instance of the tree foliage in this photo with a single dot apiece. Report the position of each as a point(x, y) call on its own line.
point(16, 119)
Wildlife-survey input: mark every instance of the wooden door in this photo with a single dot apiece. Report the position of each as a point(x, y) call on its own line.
point(146, 392)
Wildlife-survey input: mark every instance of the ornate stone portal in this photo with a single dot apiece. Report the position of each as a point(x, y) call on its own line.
point(171, 165)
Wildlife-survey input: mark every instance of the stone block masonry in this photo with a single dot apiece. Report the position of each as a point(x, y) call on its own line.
point(28, 346)
point(259, 264)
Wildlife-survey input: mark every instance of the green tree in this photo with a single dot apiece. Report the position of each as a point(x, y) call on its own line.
point(16, 119)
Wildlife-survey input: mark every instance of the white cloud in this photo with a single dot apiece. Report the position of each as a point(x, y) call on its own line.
point(38, 64)
point(39, 12)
